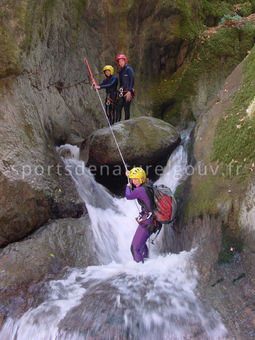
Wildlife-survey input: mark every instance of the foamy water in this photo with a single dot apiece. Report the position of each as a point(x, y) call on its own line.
point(121, 299)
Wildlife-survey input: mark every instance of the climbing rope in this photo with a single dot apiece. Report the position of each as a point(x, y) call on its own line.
point(113, 135)
point(115, 140)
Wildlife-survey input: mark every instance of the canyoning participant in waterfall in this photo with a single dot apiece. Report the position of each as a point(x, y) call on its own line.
point(126, 90)
point(110, 84)
point(137, 177)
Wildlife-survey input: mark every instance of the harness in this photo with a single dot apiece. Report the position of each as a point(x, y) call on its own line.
point(110, 101)
point(121, 92)
point(156, 226)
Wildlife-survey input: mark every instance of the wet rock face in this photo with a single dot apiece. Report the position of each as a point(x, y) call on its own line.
point(40, 257)
point(12, 36)
point(247, 215)
point(58, 244)
point(142, 141)
point(218, 218)
point(34, 185)
point(132, 313)
point(45, 94)
point(25, 205)
point(38, 109)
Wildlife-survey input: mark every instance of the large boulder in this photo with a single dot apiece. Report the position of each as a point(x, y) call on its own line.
point(60, 243)
point(142, 141)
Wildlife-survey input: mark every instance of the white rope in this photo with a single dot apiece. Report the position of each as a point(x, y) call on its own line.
point(115, 140)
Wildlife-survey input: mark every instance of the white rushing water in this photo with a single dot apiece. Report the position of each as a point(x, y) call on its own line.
point(121, 299)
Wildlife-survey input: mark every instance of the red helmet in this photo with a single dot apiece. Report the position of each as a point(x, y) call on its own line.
point(121, 56)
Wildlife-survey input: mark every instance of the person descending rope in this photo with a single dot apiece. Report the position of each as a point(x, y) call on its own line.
point(137, 177)
point(126, 90)
point(110, 84)
point(159, 207)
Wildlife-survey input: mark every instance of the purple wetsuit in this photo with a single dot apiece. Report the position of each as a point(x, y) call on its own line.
point(139, 248)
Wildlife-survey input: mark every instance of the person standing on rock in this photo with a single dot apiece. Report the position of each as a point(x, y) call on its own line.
point(137, 177)
point(110, 84)
point(126, 90)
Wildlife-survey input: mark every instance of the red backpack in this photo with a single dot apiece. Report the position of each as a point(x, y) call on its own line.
point(163, 202)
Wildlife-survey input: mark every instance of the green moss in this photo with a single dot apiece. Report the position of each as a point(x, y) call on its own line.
point(220, 51)
point(188, 28)
point(49, 5)
point(37, 18)
point(219, 8)
point(231, 243)
point(22, 7)
point(235, 131)
point(29, 131)
point(244, 9)
point(9, 53)
point(79, 7)
point(205, 197)
point(11, 36)
point(216, 9)
point(80, 4)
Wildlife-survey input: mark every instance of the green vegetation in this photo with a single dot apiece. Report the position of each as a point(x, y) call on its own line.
point(235, 131)
point(48, 6)
point(206, 197)
point(231, 243)
point(229, 17)
point(80, 6)
point(245, 8)
point(38, 16)
point(216, 9)
point(9, 53)
point(210, 52)
point(220, 9)
point(11, 14)
point(29, 131)
point(215, 52)
point(188, 28)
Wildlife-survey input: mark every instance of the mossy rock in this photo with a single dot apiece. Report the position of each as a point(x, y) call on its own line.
point(213, 54)
point(231, 244)
point(47, 251)
point(234, 135)
point(12, 33)
point(141, 140)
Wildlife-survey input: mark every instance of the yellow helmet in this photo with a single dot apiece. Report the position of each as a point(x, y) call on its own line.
point(110, 68)
point(138, 173)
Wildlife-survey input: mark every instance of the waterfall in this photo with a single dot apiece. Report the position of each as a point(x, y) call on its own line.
point(121, 299)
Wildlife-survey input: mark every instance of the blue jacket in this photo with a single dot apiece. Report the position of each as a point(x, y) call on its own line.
point(126, 76)
point(110, 84)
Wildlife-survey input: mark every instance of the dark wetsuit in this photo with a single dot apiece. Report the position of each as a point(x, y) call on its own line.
point(126, 77)
point(110, 85)
point(139, 248)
